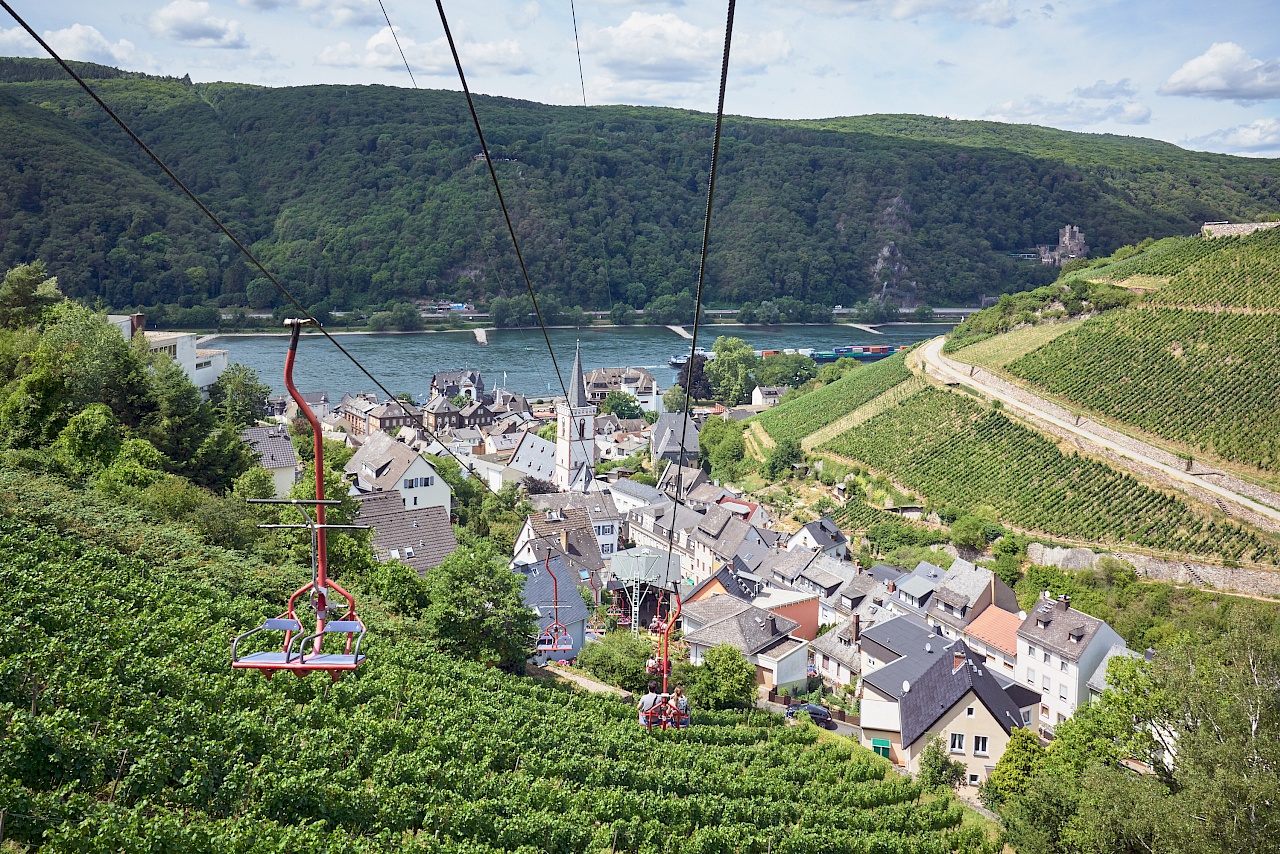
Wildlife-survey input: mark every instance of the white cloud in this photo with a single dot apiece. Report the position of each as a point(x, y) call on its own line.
point(433, 57)
point(1260, 137)
point(78, 41)
point(337, 14)
point(266, 5)
point(1036, 110)
point(191, 23)
point(994, 13)
point(1104, 91)
point(528, 14)
point(1226, 72)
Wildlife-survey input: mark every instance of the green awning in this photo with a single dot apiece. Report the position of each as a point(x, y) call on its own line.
point(880, 742)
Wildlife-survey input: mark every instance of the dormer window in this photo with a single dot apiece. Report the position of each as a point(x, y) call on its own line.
point(1042, 623)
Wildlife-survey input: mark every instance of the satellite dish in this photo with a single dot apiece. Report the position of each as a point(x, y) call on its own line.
point(928, 647)
point(906, 686)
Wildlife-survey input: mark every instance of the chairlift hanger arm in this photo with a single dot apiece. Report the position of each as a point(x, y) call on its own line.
point(317, 502)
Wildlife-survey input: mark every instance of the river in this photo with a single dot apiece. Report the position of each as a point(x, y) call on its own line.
point(518, 358)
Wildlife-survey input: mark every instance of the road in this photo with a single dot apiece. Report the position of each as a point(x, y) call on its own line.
point(840, 728)
point(941, 367)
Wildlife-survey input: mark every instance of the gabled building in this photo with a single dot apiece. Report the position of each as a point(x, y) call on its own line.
point(767, 396)
point(942, 690)
point(420, 537)
point(567, 533)
point(822, 535)
point(450, 384)
point(671, 432)
point(363, 415)
point(384, 465)
point(1059, 649)
point(677, 482)
point(835, 653)
point(799, 606)
point(475, 414)
point(912, 591)
point(318, 401)
point(605, 519)
point(534, 457)
point(666, 525)
point(637, 382)
point(993, 635)
point(275, 452)
point(440, 413)
point(548, 600)
point(630, 495)
point(781, 659)
point(892, 640)
point(964, 593)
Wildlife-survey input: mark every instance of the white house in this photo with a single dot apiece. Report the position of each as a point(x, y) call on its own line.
point(605, 519)
point(764, 638)
point(767, 395)
point(1059, 649)
point(824, 536)
point(383, 464)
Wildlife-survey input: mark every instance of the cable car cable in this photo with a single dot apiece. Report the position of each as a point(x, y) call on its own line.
point(493, 174)
point(702, 275)
point(396, 39)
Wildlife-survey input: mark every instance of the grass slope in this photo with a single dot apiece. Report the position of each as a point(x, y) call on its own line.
point(114, 664)
point(958, 452)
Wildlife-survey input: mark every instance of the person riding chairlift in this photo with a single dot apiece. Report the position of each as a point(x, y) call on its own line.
point(649, 712)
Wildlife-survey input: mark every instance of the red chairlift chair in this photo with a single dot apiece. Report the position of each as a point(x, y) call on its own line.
point(555, 637)
point(294, 654)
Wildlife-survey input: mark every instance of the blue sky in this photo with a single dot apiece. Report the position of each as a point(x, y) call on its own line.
point(1204, 76)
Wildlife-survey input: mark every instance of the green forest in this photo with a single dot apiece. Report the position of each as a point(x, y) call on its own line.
point(359, 197)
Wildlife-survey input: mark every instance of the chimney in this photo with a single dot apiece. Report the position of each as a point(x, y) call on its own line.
point(857, 627)
point(1065, 601)
point(137, 323)
point(892, 587)
point(564, 541)
point(773, 624)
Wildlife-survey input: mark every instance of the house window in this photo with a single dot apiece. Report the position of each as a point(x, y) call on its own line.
point(415, 501)
point(1044, 712)
point(1062, 690)
point(1047, 657)
point(979, 745)
point(826, 661)
point(607, 548)
point(880, 746)
point(1063, 667)
point(973, 779)
point(1061, 717)
point(1031, 676)
point(957, 742)
point(968, 713)
point(1045, 684)
point(1031, 650)
point(1026, 717)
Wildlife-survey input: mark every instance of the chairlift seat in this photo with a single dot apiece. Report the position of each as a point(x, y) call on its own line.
point(271, 659)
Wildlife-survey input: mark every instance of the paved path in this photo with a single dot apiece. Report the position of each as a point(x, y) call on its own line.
point(681, 331)
point(840, 728)
point(941, 367)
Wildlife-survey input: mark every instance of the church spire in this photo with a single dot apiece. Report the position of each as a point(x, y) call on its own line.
point(577, 386)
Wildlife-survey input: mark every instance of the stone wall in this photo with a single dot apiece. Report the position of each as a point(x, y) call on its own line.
point(1256, 582)
point(1234, 229)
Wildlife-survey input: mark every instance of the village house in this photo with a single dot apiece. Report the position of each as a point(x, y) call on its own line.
point(781, 660)
point(910, 593)
point(767, 396)
point(1059, 649)
point(942, 690)
point(821, 535)
point(568, 534)
point(363, 415)
point(535, 457)
point(800, 606)
point(551, 601)
point(475, 414)
point(993, 635)
point(317, 401)
point(630, 495)
point(384, 465)
point(419, 537)
point(451, 384)
point(965, 592)
point(441, 413)
point(678, 482)
point(835, 653)
point(275, 452)
point(671, 432)
point(605, 519)
point(637, 382)
point(666, 525)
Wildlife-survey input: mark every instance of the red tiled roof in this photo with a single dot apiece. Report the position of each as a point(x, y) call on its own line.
point(997, 627)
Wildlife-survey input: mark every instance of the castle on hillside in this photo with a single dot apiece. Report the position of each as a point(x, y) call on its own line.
point(1070, 246)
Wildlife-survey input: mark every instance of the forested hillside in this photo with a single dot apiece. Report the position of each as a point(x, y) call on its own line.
point(360, 195)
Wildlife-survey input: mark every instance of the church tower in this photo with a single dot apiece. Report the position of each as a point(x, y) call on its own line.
point(576, 434)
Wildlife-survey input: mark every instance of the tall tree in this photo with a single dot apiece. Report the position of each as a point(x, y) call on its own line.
point(732, 371)
point(239, 397)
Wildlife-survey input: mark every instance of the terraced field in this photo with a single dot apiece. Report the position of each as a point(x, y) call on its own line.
point(797, 418)
point(956, 451)
point(1206, 379)
point(1000, 350)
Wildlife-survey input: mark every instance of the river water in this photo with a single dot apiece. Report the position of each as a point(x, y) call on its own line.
point(518, 358)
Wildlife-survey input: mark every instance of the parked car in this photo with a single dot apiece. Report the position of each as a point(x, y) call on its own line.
point(818, 714)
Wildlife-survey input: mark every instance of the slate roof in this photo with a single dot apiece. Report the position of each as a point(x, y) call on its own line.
point(272, 445)
point(420, 537)
point(1064, 622)
point(726, 619)
point(582, 556)
point(706, 493)
point(599, 506)
point(998, 628)
point(886, 573)
point(539, 593)
point(577, 388)
point(638, 491)
point(1098, 681)
point(922, 581)
point(940, 686)
point(825, 533)
point(667, 433)
point(534, 456)
point(829, 644)
point(440, 405)
point(787, 565)
point(380, 463)
point(690, 477)
point(903, 634)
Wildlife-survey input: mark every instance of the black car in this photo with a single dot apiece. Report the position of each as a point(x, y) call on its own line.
point(818, 714)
